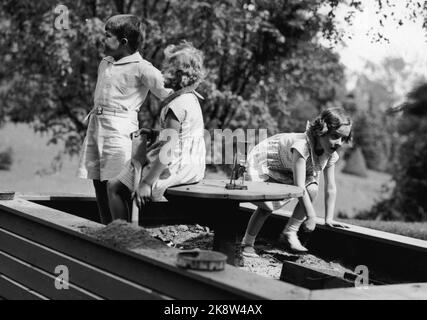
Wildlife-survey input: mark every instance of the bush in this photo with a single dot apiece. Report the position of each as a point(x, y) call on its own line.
point(372, 137)
point(408, 200)
point(355, 164)
point(6, 159)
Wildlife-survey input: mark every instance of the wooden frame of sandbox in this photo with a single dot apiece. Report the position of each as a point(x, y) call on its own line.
point(38, 233)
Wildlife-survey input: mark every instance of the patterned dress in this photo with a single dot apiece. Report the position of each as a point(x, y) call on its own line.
point(271, 160)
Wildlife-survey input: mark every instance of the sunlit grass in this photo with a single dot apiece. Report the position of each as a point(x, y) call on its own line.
point(410, 229)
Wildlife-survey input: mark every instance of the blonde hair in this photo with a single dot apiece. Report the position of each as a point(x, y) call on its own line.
point(187, 61)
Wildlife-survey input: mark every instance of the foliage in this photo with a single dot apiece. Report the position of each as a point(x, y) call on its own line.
point(378, 89)
point(408, 200)
point(6, 159)
point(355, 163)
point(372, 134)
point(266, 67)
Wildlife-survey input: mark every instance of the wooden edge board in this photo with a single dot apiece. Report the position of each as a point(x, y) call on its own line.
point(411, 291)
point(356, 231)
point(84, 275)
point(56, 197)
point(38, 280)
point(12, 290)
point(230, 279)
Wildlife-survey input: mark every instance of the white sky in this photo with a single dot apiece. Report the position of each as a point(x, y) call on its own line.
point(408, 41)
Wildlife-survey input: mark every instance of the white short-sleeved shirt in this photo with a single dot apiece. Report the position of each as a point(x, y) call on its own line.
point(124, 84)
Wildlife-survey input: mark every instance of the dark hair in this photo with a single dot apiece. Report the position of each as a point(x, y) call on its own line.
point(127, 26)
point(329, 121)
point(187, 62)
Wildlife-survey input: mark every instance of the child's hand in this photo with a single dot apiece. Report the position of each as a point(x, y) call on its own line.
point(142, 194)
point(333, 224)
point(310, 224)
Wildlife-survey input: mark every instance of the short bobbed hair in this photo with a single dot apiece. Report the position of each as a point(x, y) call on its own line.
point(329, 121)
point(127, 26)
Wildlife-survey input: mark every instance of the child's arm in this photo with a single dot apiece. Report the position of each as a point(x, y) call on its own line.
point(330, 193)
point(330, 196)
point(299, 168)
point(144, 191)
point(154, 81)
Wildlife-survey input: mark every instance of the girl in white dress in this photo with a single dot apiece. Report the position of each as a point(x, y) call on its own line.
point(179, 155)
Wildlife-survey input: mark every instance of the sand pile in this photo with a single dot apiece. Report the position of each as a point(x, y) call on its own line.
point(166, 241)
point(121, 234)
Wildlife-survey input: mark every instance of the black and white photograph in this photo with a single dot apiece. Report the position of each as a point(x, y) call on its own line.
point(218, 156)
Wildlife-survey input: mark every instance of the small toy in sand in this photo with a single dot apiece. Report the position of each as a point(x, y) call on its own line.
point(7, 195)
point(201, 260)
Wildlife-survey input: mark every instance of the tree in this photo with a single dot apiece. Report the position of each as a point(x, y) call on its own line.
point(408, 198)
point(379, 87)
point(263, 59)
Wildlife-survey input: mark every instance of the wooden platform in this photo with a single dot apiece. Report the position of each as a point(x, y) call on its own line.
point(35, 239)
point(390, 258)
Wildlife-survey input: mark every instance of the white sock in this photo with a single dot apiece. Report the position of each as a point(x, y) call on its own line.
point(293, 225)
point(248, 240)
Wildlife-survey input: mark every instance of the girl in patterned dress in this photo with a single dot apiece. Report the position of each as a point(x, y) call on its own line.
point(299, 159)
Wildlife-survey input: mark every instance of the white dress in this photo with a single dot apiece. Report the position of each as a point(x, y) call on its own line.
point(186, 163)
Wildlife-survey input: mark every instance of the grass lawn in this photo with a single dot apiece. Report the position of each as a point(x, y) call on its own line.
point(410, 229)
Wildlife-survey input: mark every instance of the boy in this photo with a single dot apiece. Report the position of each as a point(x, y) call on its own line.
point(124, 79)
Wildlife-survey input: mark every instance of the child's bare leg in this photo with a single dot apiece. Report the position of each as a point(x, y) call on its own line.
point(257, 221)
point(254, 226)
point(299, 211)
point(102, 201)
point(298, 216)
point(119, 198)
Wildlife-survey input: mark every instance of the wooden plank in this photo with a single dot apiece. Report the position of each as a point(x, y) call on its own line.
point(38, 280)
point(312, 278)
point(53, 228)
point(12, 290)
point(81, 197)
point(81, 205)
point(257, 191)
point(412, 291)
point(356, 231)
point(390, 258)
point(85, 276)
